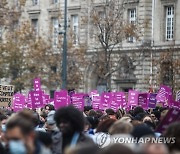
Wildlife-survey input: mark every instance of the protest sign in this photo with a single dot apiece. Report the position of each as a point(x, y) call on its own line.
point(152, 100)
point(60, 98)
point(172, 116)
point(120, 99)
point(143, 100)
point(96, 101)
point(6, 95)
point(133, 98)
point(37, 84)
point(18, 102)
point(37, 99)
point(106, 99)
point(78, 101)
point(163, 94)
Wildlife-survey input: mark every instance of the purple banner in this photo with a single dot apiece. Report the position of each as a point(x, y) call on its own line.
point(37, 84)
point(152, 101)
point(163, 94)
point(18, 102)
point(46, 99)
point(37, 99)
point(78, 101)
point(60, 98)
point(143, 100)
point(133, 98)
point(172, 116)
point(29, 100)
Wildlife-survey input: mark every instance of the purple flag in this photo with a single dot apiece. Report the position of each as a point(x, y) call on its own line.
point(78, 101)
point(19, 102)
point(172, 116)
point(60, 98)
point(152, 101)
point(37, 99)
point(163, 94)
point(133, 98)
point(37, 84)
point(143, 100)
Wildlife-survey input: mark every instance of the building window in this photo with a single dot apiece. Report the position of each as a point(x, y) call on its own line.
point(132, 20)
point(35, 2)
point(55, 29)
point(75, 25)
point(35, 25)
point(55, 1)
point(169, 22)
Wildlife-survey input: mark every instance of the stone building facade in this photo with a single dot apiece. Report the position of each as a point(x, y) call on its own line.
point(141, 64)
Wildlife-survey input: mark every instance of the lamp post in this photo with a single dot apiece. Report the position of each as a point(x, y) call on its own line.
point(64, 62)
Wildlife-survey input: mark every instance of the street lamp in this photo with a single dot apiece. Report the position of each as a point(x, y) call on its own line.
point(64, 62)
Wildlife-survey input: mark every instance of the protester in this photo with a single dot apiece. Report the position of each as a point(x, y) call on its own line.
point(21, 136)
point(70, 121)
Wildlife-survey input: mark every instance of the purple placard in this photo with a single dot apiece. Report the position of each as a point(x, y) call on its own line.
point(163, 94)
point(37, 84)
point(143, 100)
point(152, 100)
point(96, 101)
point(106, 100)
point(172, 116)
point(18, 102)
point(120, 98)
point(133, 98)
point(78, 101)
point(46, 99)
point(60, 99)
point(37, 99)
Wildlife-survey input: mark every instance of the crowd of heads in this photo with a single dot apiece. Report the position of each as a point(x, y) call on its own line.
point(70, 131)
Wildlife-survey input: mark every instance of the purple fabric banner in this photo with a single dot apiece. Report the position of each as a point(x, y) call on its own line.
point(133, 98)
point(78, 101)
point(37, 84)
point(37, 99)
point(152, 101)
point(172, 116)
point(18, 102)
point(163, 94)
point(106, 99)
point(60, 99)
point(143, 100)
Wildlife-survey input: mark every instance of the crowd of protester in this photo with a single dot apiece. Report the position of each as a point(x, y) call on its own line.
point(70, 131)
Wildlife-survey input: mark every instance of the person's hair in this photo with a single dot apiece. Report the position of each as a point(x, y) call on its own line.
point(116, 149)
point(26, 126)
point(173, 131)
point(30, 115)
point(51, 107)
point(93, 121)
point(92, 113)
point(71, 114)
point(3, 117)
point(138, 110)
point(44, 138)
point(83, 149)
point(105, 125)
point(121, 128)
point(87, 108)
point(110, 112)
